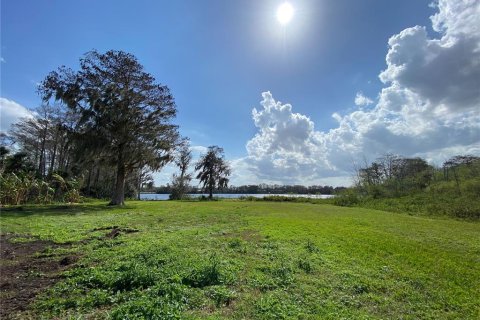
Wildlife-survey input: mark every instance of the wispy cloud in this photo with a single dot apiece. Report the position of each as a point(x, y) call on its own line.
point(198, 149)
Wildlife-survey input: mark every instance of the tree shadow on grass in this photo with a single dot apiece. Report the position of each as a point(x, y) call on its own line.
point(59, 209)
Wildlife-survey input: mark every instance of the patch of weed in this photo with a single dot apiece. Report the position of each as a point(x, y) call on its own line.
point(221, 295)
point(205, 275)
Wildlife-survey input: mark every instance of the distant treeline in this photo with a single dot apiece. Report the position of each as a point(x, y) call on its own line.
point(400, 184)
point(256, 189)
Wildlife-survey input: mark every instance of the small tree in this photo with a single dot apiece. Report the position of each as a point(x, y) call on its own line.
point(141, 177)
point(214, 170)
point(180, 183)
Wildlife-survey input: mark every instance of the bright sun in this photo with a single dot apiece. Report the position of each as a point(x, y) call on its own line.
point(285, 13)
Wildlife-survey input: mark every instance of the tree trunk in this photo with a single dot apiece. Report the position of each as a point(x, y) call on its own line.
point(54, 153)
point(89, 179)
point(42, 163)
point(210, 190)
point(95, 182)
point(139, 184)
point(118, 198)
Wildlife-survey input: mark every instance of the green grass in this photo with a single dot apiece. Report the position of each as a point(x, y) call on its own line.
point(256, 260)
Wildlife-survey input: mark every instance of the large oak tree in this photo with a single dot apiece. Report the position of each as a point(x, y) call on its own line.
point(124, 114)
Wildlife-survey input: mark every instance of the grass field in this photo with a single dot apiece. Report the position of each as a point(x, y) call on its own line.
point(249, 260)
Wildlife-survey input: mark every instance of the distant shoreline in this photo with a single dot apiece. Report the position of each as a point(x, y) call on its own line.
point(165, 196)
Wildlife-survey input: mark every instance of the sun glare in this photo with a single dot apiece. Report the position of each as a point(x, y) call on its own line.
point(285, 13)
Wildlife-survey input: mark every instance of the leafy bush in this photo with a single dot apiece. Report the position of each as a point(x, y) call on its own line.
point(204, 198)
point(16, 189)
point(249, 198)
point(347, 198)
point(132, 276)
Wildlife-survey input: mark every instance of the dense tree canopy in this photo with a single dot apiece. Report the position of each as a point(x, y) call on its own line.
point(397, 175)
point(124, 115)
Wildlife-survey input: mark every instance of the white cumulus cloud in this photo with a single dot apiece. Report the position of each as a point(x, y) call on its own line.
point(429, 107)
point(286, 148)
point(361, 100)
point(444, 72)
point(11, 112)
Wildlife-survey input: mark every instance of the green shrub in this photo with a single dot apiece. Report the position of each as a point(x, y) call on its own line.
point(249, 198)
point(205, 275)
point(347, 198)
point(132, 276)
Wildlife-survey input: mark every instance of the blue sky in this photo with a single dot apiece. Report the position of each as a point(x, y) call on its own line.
point(218, 57)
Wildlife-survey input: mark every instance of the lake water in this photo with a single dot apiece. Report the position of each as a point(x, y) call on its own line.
point(156, 196)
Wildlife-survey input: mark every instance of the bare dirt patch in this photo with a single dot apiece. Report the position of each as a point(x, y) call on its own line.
point(25, 271)
point(115, 231)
